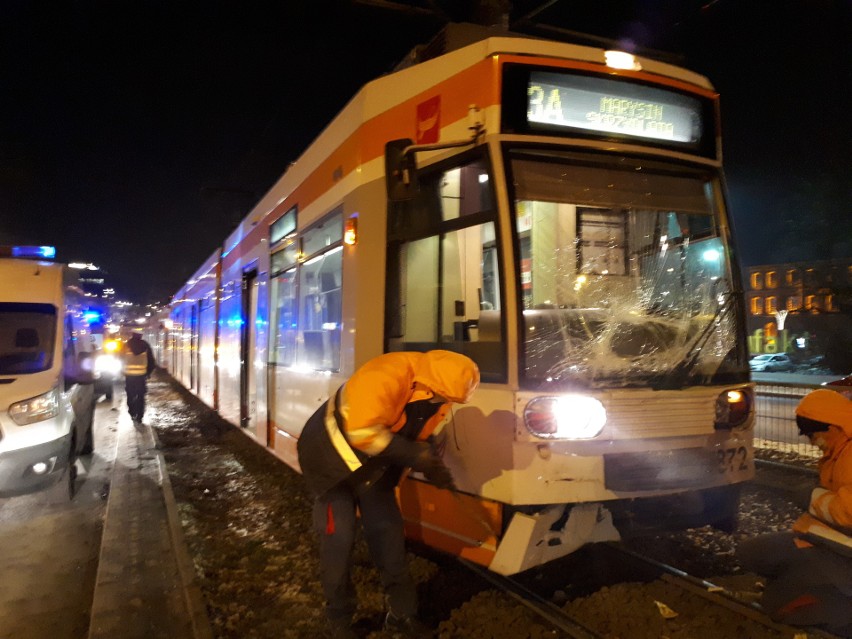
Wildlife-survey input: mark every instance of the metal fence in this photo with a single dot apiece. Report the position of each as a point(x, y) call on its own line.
point(776, 437)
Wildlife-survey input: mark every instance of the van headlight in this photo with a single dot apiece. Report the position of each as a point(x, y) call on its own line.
point(36, 409)
point(566, 417)
point(107, 364)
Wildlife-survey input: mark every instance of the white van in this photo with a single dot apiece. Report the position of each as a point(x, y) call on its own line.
point(46, 373)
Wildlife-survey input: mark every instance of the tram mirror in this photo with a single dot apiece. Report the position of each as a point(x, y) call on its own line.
point(400, 171)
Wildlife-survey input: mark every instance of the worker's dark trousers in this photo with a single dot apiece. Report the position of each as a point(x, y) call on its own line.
point(136, 388)
point(806, 586)
point(335, 520)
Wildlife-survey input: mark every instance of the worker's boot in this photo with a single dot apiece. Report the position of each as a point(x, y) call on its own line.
point(408, 627)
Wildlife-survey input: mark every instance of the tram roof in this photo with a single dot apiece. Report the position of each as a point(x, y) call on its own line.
point(463, 50)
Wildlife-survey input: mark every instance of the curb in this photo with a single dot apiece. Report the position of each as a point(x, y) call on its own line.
point(145, 585)
point(192, 590)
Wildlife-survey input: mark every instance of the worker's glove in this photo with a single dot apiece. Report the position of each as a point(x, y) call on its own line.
point(428, 463)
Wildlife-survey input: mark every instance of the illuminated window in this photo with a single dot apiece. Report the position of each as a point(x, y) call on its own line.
point(320, 296)
point(307, 297)
point(793, 277)
point(285, 310)
point(771, 305)
point(771, 279)
point(793, 303)
point(757, 280)
point(810, 277)
point(810, 303)
point(770, 329)
point(829, 303)
point(757, 306)
point(283, 226)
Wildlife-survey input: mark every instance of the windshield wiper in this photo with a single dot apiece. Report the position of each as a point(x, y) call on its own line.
point(676, 378)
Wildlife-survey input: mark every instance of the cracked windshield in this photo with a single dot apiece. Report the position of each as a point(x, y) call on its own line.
point(623, 273)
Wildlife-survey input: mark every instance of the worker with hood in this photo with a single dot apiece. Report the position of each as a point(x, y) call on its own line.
point(353, 452)
point(138, 366)
point(810, 568)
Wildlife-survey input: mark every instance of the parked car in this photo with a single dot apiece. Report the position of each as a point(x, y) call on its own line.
point(842, 385)
point(771, 363)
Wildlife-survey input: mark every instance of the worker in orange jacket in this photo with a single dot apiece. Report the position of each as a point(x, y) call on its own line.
point(810, 568)
point(353, 451)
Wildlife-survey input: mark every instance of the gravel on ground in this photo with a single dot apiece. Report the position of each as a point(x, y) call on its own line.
point(246, 519)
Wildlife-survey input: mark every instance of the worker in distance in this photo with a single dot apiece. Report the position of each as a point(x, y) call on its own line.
point(138, 366)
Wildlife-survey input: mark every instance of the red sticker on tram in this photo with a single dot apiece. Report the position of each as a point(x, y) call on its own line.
point(429, 120)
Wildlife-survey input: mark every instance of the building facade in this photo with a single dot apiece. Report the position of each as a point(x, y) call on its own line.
point(801, 308)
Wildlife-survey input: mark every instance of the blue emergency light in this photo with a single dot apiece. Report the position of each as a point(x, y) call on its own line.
point(92, 317)
point(46, 252)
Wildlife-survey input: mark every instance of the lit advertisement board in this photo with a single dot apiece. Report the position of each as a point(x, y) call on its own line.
point(606, 106)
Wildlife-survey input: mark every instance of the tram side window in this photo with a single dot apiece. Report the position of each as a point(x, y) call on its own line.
point(321, 312)
point(285, 318)
point(457, 193)
point(465, 191)
point(284, 304)
point(307, 298)
point(444, 290)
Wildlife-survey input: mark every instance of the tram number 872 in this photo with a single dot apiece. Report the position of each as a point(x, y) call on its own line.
point(732, 459)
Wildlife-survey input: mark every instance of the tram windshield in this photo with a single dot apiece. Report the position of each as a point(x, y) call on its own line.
point(623, 272)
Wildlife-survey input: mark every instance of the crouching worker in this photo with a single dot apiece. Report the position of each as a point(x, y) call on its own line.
point(353, 452)
point(809, 569)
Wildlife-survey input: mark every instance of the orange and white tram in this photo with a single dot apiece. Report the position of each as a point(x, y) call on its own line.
point(555, 212)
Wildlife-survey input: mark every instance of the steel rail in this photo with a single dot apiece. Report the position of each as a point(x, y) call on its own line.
point(712, 593)
point(719, 596)
point(534, 602)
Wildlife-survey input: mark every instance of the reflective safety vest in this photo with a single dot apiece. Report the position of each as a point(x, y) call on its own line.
point(136, 364)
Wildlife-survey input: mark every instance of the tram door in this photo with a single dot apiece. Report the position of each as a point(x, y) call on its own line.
point(180, 344)
point(248, 341)
point(193, 348)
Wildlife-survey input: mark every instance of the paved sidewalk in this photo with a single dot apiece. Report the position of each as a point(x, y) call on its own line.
point(145, 583)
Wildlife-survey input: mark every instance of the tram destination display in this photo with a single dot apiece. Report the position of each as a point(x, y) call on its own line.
point(613, 107)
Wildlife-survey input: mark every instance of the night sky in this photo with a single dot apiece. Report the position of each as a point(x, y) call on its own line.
point(136, 135)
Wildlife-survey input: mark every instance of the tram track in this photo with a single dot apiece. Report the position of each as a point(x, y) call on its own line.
point(549, 612)
point(718, 595)
point(535, 590)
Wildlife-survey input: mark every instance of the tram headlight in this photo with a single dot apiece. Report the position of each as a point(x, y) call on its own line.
point(565, 417)
point(733, 408)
